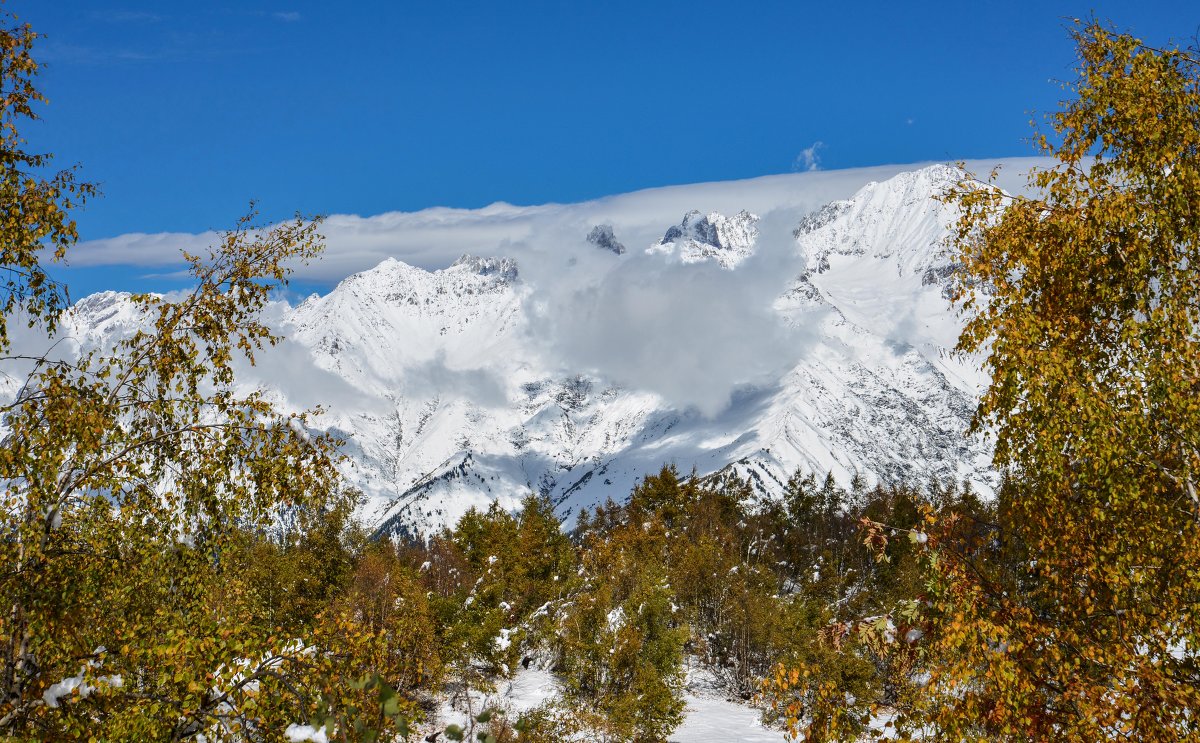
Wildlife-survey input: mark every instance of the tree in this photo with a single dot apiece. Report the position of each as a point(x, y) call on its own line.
point(850, 619)
point(1086, 300)
point(132, 476)
point(1072, 611)
point(35, 205)
point(621, 644)
point(386, 598)
point(621, 637)
point(137, 480)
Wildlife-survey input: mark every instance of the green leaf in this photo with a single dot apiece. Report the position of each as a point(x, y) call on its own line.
point(391, 706)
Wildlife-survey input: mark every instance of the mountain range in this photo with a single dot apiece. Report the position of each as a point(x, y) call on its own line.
point(574, 360)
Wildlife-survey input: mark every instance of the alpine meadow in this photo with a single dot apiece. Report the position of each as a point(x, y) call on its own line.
point(876, 453)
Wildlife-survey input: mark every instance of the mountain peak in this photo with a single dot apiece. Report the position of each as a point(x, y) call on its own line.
point(891, 219)
point(467, 385)
point(699, 237)
point(505, 269)
point(602, 237)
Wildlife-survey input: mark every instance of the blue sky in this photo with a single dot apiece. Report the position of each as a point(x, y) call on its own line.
point(184, 112)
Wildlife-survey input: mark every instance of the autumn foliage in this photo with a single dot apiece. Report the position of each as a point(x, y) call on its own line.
point(179, 559)
point(1074, 614)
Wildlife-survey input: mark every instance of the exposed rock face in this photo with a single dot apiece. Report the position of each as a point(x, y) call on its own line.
point(602, 237)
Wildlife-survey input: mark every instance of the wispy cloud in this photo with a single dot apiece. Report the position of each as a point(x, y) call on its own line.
point(168, 45)
point(287, 16)
point(124, 16)
point(158, 250)
point(56, 51)
point(809, 160)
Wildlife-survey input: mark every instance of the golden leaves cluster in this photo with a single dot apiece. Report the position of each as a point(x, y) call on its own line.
point(132, 476)
point(1085, 298)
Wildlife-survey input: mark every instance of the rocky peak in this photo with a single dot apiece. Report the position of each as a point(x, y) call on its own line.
point(504, 269)
point(699, 237)
point(602, 237)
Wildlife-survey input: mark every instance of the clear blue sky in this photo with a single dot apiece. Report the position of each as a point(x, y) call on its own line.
point(185, 111)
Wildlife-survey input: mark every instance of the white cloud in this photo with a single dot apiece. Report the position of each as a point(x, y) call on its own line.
point(433, 238)
point(537, 236)
point(808, 160)
point(692, 333)
point(156, 250)
point(635, 319)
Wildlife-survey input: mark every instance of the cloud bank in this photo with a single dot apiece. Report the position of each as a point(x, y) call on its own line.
point(692, 333)
point(433, 238)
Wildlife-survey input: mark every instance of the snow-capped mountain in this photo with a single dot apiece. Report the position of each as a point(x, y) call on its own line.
point(700, 237)
point(558, 368)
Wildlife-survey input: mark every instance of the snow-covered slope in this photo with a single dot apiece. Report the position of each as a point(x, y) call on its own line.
point(814, 336)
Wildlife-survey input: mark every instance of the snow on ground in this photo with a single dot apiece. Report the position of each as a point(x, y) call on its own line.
point(711, 716)
point(717, 720)
point(528, 689)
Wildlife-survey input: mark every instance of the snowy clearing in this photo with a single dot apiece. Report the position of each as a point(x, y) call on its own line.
point(711, 716)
